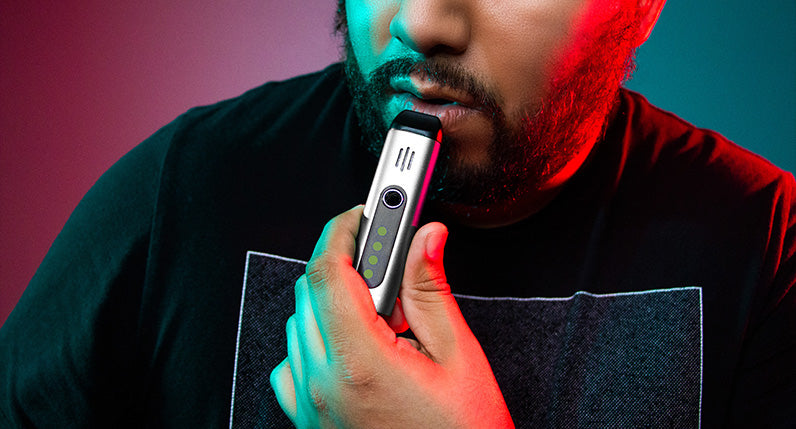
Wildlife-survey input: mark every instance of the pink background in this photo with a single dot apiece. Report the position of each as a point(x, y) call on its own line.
point(80, 86)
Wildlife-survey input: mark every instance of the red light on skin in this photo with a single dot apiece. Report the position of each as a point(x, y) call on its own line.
point(346, 364)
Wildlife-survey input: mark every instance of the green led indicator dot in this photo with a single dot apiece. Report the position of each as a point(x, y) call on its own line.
point(368, 274)
point(377, 246)
point(382, 230)
point(373, 260)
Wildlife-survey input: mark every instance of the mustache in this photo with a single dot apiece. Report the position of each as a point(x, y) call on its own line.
point(441, 72)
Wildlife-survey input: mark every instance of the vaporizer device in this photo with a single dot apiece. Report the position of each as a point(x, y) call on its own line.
point(392, 210)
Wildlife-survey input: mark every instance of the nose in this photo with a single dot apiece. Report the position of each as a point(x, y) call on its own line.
point(432, 27)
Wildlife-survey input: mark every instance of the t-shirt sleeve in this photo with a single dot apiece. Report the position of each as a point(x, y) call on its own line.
point(766, 382)
point(69, 346)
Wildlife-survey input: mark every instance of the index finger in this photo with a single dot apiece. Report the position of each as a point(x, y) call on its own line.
point(341, 303)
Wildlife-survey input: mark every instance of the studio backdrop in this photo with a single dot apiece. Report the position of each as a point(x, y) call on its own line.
point(80, 86)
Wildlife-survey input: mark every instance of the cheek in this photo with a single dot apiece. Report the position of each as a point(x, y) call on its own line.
point(520, 52)
point(369, 29)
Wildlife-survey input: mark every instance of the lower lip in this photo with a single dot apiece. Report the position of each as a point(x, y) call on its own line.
point(451, 115)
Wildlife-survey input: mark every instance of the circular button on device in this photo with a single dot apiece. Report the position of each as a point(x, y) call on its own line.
point(393, 198)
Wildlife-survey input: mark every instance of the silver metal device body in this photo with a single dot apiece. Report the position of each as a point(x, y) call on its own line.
point(388, 224)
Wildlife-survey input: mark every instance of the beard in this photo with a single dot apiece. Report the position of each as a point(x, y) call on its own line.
point(528, 148)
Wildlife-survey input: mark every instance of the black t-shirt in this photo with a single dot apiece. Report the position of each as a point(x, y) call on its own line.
point(654, 290)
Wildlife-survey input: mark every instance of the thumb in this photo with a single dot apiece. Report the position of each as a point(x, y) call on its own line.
point(428, 305)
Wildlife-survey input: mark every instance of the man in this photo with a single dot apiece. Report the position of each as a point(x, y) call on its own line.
point(612, 265)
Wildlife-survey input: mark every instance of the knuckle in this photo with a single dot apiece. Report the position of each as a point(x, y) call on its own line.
point(317, 397)
point(430, 278)
point(431, 283)
point(321, 263)
point(329, 252)
point(318, 270)
point(357, 374)
point(427, 294)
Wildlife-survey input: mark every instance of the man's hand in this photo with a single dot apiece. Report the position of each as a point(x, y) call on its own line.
point(346, 367)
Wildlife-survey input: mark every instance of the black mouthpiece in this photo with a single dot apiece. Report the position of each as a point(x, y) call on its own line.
point(418, 123)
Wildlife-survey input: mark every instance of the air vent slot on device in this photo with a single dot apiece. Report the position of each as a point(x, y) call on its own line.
point(403, 157)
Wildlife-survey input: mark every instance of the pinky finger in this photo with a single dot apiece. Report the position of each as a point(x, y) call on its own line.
point(282, 383)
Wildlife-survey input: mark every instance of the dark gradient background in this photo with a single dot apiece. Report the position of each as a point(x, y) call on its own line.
point(81, 85)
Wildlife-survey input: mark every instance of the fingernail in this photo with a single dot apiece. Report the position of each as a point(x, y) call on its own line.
point(435, 244)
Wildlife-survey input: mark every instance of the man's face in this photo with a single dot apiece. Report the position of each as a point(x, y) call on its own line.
point(522, 87)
